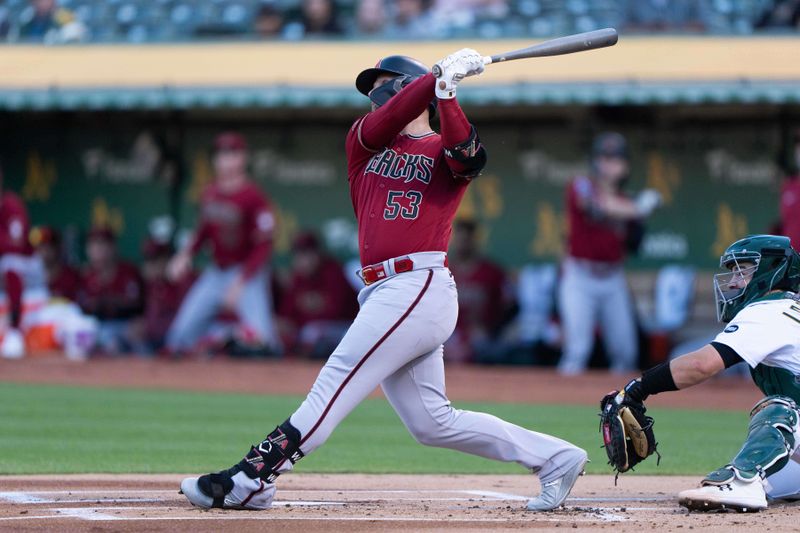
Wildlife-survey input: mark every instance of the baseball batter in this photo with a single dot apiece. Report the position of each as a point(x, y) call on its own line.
point(757, 295)
point(406, 182)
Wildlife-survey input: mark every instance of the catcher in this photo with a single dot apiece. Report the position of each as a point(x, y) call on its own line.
point(757, 297)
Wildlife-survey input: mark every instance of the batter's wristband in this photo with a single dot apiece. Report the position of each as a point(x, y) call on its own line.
point(658, 379)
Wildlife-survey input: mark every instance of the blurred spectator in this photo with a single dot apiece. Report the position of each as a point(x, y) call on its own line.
point(455, 15)
point(780, 14)
point(19, 266)
point(318, 303)
point(163, 296)
point(237, 220)
point(484, 301)
point(371, 17)
point(411, 19)
point(268, 23)
point(5, 26)
point(112, 292)
point(790, 193)
point(666, 15)
point(602, 221)
point(63, 281)
point(317, 18)
point(51, 24)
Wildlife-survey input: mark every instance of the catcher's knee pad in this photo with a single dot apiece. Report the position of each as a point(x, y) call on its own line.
point(771, 440)
point(280, 446)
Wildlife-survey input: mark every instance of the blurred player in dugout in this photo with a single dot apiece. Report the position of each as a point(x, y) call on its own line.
point(20, 268)
point(789, 223)
point(603, 224)
point(485, 302)
point(317, 303)
point(111, 291)
point(237, 221)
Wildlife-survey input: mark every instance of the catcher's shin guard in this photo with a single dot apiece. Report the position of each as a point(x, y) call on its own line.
point(249, 484)
point(771, 441)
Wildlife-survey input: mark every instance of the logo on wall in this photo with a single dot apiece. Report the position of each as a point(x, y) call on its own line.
point(726, 168)
point(540, 167)
point(143, 163)
point(730, 227)
point(269, 165)
point(39, 179)
point(665, 245)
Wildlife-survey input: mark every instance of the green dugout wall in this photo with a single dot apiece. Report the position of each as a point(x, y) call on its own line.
point(715, 165)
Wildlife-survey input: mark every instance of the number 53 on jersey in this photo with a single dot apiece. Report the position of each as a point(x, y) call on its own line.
point(404, 204)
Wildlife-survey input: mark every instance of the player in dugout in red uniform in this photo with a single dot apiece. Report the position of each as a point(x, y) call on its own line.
point(20, 268)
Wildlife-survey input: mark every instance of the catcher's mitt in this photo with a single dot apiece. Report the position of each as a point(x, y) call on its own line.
point(627, 433)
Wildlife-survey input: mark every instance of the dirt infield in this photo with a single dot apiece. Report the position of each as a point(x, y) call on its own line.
point(309, 503)
point(314, 502)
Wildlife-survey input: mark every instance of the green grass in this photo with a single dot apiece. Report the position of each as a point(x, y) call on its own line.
point(54, 429)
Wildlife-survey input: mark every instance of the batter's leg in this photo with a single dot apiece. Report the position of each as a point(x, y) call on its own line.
point(577, 307)
point(618, 324)
point(255, 309)
point(197, 310)
point(416, 393)
point(399, 320)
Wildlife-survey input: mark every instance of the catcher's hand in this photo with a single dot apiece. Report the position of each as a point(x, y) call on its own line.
point(627, 433)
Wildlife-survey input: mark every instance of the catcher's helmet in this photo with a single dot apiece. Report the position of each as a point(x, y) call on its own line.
point(406, 70)
point(756, 265)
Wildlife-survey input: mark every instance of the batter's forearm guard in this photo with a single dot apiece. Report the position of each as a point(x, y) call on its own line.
point(469, 156)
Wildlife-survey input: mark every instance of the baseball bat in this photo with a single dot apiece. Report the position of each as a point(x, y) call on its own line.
point(569, 44)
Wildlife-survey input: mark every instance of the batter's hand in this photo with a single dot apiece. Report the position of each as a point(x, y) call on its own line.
point(454, 68)
point(179, 266)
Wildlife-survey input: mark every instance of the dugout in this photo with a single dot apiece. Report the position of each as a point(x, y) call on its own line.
point(119, 135)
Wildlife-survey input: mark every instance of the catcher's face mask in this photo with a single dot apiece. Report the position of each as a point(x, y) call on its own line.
point(731, 286)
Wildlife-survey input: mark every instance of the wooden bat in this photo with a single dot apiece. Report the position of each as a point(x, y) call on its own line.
point(579, 42)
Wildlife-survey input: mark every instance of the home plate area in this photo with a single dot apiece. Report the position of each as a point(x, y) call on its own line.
point(318, 502)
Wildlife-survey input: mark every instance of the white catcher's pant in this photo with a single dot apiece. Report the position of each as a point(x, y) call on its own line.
point(396, 341)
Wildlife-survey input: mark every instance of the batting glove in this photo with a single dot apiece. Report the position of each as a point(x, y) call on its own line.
point(454, 68)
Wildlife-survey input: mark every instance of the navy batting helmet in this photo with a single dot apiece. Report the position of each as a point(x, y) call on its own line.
point(406, 70)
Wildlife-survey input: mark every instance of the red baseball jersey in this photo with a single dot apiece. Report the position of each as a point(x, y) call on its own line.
point(482, 299)
point(162, 300)
point(326, 295)
point(14, 225)
point(239, 226)
point(790, 210)
point(64, 283)
point(589, 236)
point(115, 294)
point(402, 187)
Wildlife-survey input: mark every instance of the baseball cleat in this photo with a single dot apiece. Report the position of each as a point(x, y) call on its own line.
point(228, 489)
point(737, 495)
point(555, 492)
point(13, 344)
